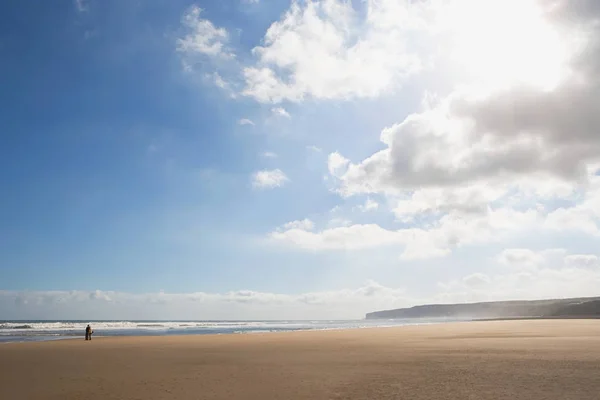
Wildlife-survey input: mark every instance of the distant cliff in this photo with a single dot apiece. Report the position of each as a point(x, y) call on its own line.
point(579, 307)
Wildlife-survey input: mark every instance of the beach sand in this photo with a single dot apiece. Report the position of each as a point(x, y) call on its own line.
point(556, 359)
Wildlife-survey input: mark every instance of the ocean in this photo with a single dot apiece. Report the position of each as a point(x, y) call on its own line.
point(27, 331)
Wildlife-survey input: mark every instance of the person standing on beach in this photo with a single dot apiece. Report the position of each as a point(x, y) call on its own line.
point(88, 332)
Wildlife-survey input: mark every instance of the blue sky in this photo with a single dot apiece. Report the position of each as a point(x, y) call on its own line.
point(119, 165)
point(364, 154)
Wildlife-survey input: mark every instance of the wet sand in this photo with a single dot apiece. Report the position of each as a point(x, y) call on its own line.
point(542, 359)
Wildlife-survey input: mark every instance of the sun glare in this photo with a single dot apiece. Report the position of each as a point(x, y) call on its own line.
point(498, 43)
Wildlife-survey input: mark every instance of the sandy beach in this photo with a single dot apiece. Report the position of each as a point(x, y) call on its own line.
point(555, 359)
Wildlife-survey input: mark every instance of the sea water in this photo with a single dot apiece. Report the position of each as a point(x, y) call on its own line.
point(24, 331)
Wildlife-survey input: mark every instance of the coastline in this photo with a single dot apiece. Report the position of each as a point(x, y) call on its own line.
point(540, 318)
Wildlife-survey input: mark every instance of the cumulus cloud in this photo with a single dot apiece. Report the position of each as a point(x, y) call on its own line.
point(269, 179)
point(493, 137)
point(370, 205)
point(327, 50)
point(571, 219)
point(515, 147)
point(583, 260)
point(466, 200)
point(439, 239)
point(203, 37)
point(520, 257)
point(338, 222)
point(553, 274)
point(355, 237)
point(305, 224)
point(336, 164)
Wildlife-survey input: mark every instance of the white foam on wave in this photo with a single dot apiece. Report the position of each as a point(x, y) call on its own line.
point(12, 330)
point(15, 327)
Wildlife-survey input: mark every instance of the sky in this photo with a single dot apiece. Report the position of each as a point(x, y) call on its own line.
point(254, 159)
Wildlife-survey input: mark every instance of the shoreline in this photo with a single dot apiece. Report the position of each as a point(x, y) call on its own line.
point(233, 333)
point(406, 323)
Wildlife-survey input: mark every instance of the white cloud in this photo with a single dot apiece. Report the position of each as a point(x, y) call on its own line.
point(338, 222)
point(203, 37)
point(583, 261)
point(476, 280)
point(573, 219)
point(520, 257)
point(314, 148)
point(478, 140)
point(245, 121)
point(370, 205)
point(326, 50)
point(463, 166)
point(336, 164)
point(553, 274)
point(214, 78)
point(219, 81)
point(437, 151)
point(528, 260)
point(305, 224)
point(584, 215)
point(433, 241)
point(269, 179)
point(242, 304)
point(280, 112)
point(329, 50)
point(468, 199)
point(572, 276)
point(268, 154)
point(355, 237)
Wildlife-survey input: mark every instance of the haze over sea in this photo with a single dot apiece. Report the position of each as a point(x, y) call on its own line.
point(28, 331)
